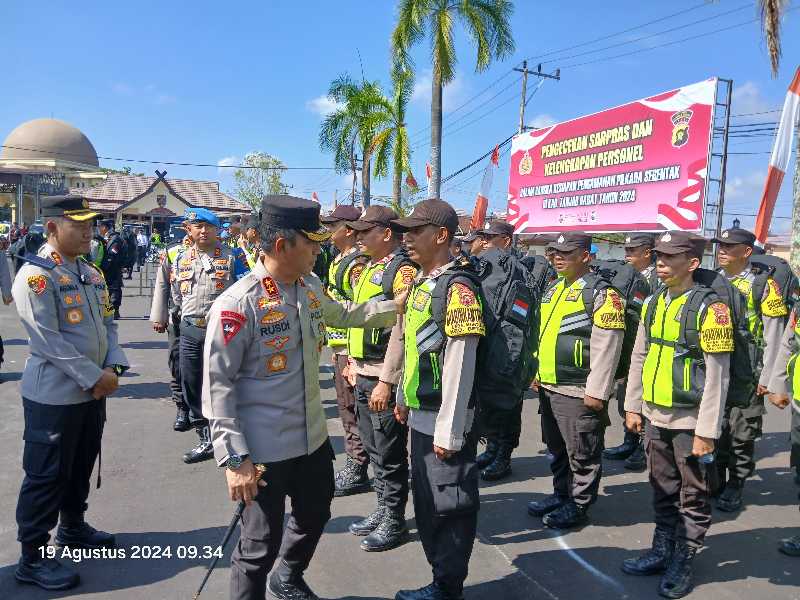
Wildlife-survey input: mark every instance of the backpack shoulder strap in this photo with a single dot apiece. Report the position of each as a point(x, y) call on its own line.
point(594, 285)
point(400, 259)
point(342, 270)
point(440, 290)
point(701, 297)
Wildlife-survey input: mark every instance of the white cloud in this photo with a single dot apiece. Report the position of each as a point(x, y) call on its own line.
point(542, 120)
point(322, 105)
point(228, 162)
point(747, 98)
point(453, 95)
point(748, 187)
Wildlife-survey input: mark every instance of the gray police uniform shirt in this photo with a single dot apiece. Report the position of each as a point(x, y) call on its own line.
point(261, 390)
point(73, 335)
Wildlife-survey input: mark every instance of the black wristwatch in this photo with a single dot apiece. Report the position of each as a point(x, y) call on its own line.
point(235, 461)
point(118, 369)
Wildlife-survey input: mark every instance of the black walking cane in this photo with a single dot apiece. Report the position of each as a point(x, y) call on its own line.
point(260, 469)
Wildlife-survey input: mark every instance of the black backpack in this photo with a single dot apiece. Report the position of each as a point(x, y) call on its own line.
point(505, 365)
point(715, 287)
point(399, 259)
point(634, 288)
point(541, 270)
point(768, 266)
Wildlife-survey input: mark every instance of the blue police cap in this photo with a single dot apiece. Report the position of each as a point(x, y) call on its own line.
point(200, 215)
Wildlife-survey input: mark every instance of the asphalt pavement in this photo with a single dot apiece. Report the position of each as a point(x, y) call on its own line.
point(157, 506)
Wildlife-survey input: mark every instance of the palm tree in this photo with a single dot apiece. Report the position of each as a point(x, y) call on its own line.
point(390, 144)
point(771, 12)
point(352, 126)
point(486, 22)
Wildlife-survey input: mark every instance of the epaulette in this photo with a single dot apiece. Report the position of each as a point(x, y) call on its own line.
point(45, 263)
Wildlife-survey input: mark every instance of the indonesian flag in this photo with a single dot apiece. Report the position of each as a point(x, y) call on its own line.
point(428, 173)
point(482, 201)
point(779, 161)
point(314, 197)
point(411, 182)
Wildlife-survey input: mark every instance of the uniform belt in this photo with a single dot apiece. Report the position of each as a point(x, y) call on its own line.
point(198, 322)
point(190, 329)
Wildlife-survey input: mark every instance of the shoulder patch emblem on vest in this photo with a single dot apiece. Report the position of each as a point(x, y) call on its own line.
point(403, 279)
point(773, 305)
point(716, 331)
point(421, 298)
point(38, 284)
point(463, 315)
point(611, 315)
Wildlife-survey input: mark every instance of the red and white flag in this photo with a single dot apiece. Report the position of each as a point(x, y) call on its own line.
point(411, 182)
point(314, 197)
point(482, 201)
point(428, 173)
point(779, 161)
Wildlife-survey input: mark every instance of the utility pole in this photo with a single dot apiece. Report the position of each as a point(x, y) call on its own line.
point(524, 100)
point(794, 252)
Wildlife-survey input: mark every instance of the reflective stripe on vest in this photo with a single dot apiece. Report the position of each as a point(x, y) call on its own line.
point(793, 371)
point(423, 342)
point(369, 343)
point(337, 338)
point(564, 333)
point(672, 376)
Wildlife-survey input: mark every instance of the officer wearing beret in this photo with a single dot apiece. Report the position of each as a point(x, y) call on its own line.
point(161, 291)
point(112, 262)
point(262, 398)
point(680, 409)
point(580, 341)
point(767, 315)
point(639, 254)
point(75, 360)
point(199, 274)
point(343, 273)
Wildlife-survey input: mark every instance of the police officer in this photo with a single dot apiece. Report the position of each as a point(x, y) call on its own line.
point(784, 389)
point(580, 340)
point(639, 254)
point(388, 274)
point(262, 399)
point(343, 272)
point(75, 360)
point(249, 240)
point(113, 262)
point(5, 288)
point(161, 294)
point(475, 242)
point(766, 317)
point(682, 422)
point(436, 398)
point(501, 426)
point(200, 273)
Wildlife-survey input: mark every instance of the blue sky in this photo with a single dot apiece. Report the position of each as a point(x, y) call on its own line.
point(207, 81)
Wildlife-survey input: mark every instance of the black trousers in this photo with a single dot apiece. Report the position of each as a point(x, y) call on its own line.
point(737, 445)
point(61, 446)
point(502, 425)
point(346, 402)
point(191, 372)
point(114, 282)
point(574, 436)
point(681, 484)
point(141, 254)
point(386, 443)
point(446, 503)
point(308, 481)
point(794, 458)
point(174, 360)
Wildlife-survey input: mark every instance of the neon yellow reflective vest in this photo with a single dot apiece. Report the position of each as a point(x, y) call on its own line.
point(791, 368)
point(674, 370)
point(337, 338)
point(424, 338)
point(369, 344)
point(565, 329)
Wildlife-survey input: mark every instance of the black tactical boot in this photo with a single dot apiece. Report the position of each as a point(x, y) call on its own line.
point(116, 314)
point(203, 450)
point(486, 458)
point(654, 560)
point(390, 532)
point(74, 532)
point(47, 573)
point(181, 417)
point(677, 581)
point(568, 516)
point(730, 500)
point(292, 587)
point(368, 524)
point(500, 467)
point(429, 592)
point(790, 546)
point(637, 461)
point(539, 508)
point(625, 449)
point(352, 479)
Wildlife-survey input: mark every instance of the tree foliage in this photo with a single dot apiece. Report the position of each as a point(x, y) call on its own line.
point(263, 176)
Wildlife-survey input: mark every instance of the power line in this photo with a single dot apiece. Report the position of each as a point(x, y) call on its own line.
point(166, 162)
point(600, 39)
